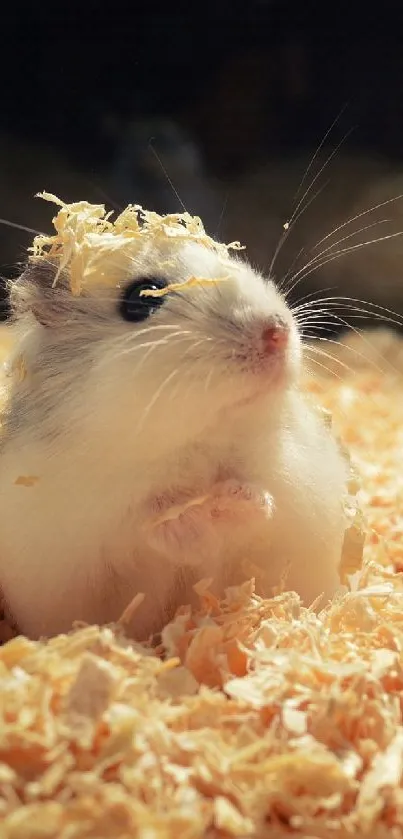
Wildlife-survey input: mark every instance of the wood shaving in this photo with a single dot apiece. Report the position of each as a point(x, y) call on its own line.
point(92, 247)
point(190, 283)
point(252, 717)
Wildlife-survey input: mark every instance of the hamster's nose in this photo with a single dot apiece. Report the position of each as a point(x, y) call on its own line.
point(275, 337)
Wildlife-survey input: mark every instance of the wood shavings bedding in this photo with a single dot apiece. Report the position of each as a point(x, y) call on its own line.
point(253, 718)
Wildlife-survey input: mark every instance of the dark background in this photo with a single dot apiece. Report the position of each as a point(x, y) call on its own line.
point(245, 77)
point(244, 81)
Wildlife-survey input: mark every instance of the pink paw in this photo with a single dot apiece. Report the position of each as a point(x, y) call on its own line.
point(234, 498)
point(193, 530)
point(189, 538)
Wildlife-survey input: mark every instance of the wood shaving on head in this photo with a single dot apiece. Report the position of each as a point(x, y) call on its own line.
point(189, 283)
point(251, 716)
point(88, 243)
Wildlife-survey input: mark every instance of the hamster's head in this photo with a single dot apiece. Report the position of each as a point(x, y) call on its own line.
point(165, 368)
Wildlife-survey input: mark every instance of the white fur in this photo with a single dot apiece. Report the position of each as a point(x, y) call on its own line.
point(107, 424)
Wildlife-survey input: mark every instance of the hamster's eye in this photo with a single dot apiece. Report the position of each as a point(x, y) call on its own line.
point(133, 307)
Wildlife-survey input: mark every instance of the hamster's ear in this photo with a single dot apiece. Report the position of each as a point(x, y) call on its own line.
point(34, 292)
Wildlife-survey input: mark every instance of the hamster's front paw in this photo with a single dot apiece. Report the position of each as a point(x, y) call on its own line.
point(233, 498)
point(195, 530)
point(186, 533)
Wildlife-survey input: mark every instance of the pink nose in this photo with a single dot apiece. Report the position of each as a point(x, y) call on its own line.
point(275, 338)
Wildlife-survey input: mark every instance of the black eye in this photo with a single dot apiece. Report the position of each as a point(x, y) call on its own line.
point(133, 306)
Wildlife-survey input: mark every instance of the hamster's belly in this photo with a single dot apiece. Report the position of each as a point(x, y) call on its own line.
point(84, 554)
point(49, 583)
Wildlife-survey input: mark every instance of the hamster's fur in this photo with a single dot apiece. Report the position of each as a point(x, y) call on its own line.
point(116, 422)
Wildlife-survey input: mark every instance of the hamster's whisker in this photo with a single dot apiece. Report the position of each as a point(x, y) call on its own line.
point(208, 379)
point(147, 354)
point(290, 224)
point(303, 209)
point(282, 283)
point(386, 365)
point(353, 350)
point(355, 218)
point(349, 301)
point(196, 344)
point(183, 333)
point(132, 350)
point(144, 359)
point(117, 207)
point(319, 351)
point(312, 324)
point(130, 337)
point(322, 253)
point(316, 263)
point(317, 321)
point(152, 328)
point(350, 370)
point(351, 235)
point(212, 372)
point(303, 273)
point(16, 226)
point(312, 295)
point(180, 335)
point(308, 329)
point(192, 380)
point(155, 398)
point(312, 316)
point(318, 174)
point(189, 374)
point(371, 310)
point(171, 184)
point(313, 306)
point(341, 227)
point(327, 370)
point(329, 357)
point(221, 217)
point(175, 390)
point(318, 149)
point(120, 353)
point(365, 340)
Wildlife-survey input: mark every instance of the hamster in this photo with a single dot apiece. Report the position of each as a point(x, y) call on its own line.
point(156, 441)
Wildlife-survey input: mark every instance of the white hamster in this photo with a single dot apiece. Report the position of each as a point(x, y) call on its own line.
point(167, 440)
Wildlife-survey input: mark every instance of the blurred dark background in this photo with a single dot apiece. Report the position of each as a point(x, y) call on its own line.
point(228, 99)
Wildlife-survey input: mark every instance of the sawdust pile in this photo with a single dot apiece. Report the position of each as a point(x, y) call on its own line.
point(255, 717)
